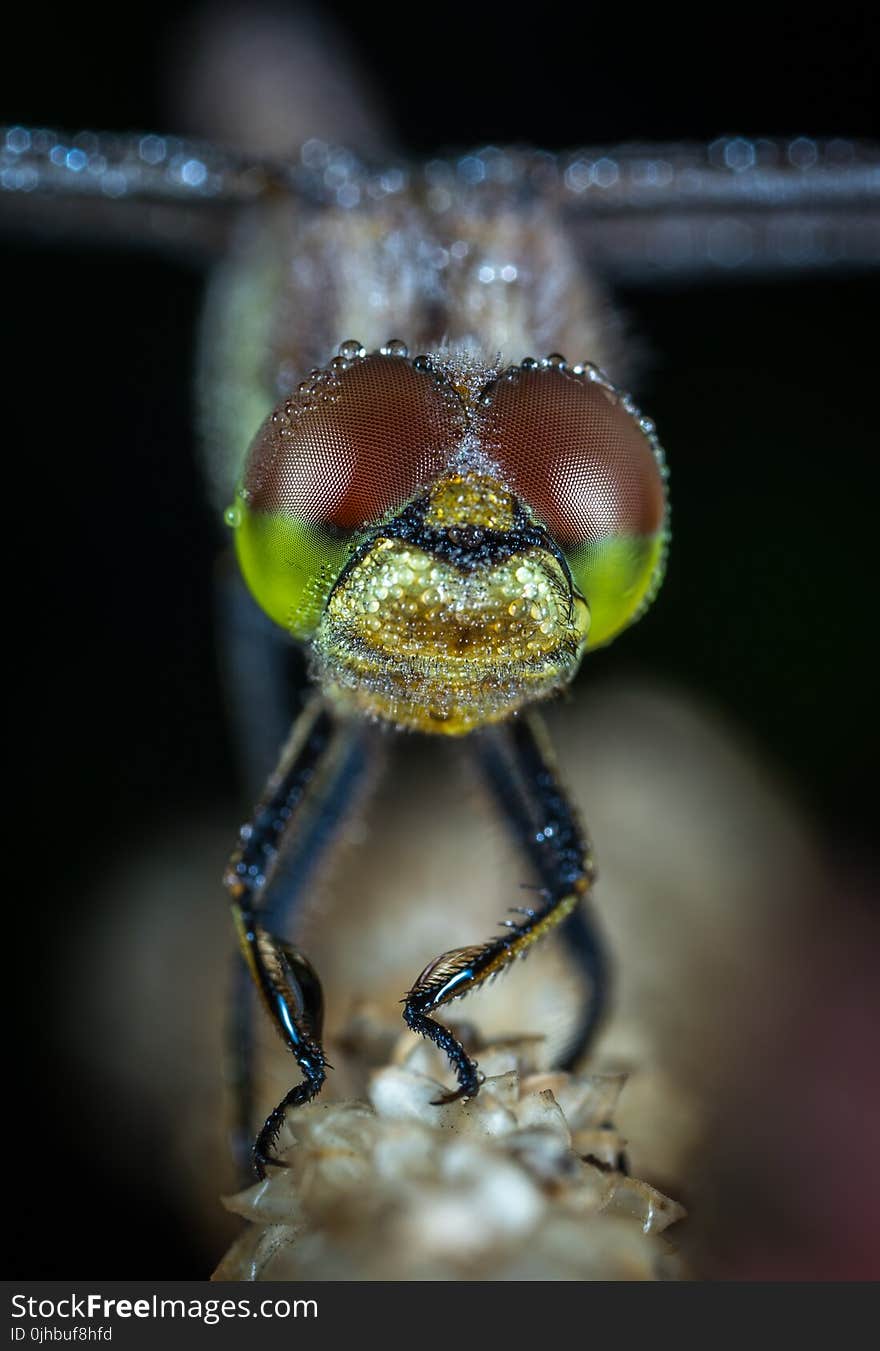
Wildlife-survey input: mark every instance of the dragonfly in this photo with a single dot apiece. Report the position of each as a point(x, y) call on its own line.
point(424, 372)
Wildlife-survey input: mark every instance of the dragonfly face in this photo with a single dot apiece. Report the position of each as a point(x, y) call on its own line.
point(452, 536)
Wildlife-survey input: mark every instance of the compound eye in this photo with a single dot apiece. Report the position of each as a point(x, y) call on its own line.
point(354, 444)
point(592, 472)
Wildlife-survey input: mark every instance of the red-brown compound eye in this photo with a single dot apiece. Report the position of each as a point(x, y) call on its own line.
point(355, 442)
point(572, 451)
point(578, 454)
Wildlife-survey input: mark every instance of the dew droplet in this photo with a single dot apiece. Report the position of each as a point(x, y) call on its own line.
point(351, 349)
point(395, 348)
point(232, 516)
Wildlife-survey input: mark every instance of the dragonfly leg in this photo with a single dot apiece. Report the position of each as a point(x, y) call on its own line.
point(291, 993)
point(265, 683)
point(566, 871)
point(516, 763)
point(303, 798)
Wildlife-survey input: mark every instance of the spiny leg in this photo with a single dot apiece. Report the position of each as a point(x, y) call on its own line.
point(514, 758)
point(566, 871)
point(291, 994)
point(529, 819)
point(265, 684)
point(288, 985)
point(335, 786)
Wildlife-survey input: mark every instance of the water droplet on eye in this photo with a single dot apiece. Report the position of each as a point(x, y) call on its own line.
point(395, 348)
point(556, 360)
point(528, 363)
point(232, 516)
point(351, 349)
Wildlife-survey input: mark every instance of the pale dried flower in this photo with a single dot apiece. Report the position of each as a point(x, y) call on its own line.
point(521, 1183)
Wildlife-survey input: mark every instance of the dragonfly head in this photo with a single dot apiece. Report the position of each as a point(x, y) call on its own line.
point(451, 538)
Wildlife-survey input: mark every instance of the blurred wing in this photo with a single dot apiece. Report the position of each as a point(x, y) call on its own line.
point(638, 212)
point(134, 189)
point(642, 212)
point(736, 205)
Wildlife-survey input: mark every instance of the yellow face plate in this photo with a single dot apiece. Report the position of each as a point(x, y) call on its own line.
point(414, 639)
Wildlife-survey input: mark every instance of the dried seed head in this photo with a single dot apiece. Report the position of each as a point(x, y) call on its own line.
point(522, 1182)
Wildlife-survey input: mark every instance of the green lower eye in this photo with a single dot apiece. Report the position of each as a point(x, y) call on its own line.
point(618, 577)
point(290, 567)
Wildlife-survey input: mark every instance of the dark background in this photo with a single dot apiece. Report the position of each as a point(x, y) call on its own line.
point(764, 394)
